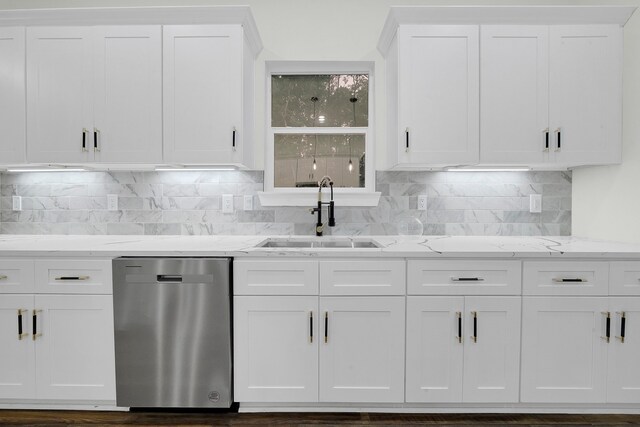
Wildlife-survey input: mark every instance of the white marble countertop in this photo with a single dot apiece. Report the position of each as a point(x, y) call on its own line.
point(239, 246)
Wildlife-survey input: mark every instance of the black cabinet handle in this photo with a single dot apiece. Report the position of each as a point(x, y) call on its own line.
point(95, 139)
point(34, 328)
point(326, 327)
point(559, 143)
point(84, 139)
point(546, 139)
point(406, 135)
point(569, 280)
point(20, 330)
point(623, 322)
point(607, 336)
point(63, 278)
point(233, 139)
point(475, 326)
point(467, 279)
point(311, 326)
point(459, 316)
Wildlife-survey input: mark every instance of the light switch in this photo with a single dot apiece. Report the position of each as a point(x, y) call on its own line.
point(17, 203)
point(248, 203)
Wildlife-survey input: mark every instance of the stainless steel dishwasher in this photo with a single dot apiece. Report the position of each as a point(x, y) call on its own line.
point(173, 332)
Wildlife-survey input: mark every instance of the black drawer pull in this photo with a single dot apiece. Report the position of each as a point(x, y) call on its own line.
point(62, 278)
point(569, 280)
point(467, 279)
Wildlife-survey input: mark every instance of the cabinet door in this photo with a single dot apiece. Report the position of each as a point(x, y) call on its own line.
point(439, 94)
point(59, 94)
point(362, 349)
point(434, 349)
point(17, 361)
point(623, 371)
point(563, 355)
point(514, 95)
point(75, 352)
point(202, 67)
point(128, 94)
point(276, 349)
point(586, 93)
point(12, 95)
point(492, 349)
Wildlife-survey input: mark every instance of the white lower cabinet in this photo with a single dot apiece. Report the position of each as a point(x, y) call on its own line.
point(17, 357)
point(463, 349)
point(623, 373)
point(563, 353)
point(283, 344)
point(276, 348)
point(362, 349)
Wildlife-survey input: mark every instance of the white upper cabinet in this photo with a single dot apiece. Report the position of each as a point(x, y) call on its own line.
point(208, 72)
point(12, 100)
point(128, 94)
point(437, 84)
point(585, 97)
point(94, 94)
point(514, 95)
point(59, 94)
point(542, 87)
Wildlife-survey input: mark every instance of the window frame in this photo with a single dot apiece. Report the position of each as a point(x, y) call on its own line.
point(365, 196)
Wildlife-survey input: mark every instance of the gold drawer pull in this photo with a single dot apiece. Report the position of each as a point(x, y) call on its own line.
point(64, 278)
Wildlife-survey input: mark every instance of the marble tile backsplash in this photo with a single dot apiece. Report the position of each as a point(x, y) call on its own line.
point(459, 203)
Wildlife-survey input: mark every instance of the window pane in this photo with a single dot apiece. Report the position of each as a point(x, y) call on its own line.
point(339, 156)
point(336, 100)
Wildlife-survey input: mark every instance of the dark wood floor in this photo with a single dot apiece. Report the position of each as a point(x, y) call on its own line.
point(93, 418)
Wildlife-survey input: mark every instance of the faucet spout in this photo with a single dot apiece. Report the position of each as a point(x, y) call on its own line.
point(326, 180)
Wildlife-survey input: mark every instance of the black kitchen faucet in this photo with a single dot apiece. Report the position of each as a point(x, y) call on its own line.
point(331, 211)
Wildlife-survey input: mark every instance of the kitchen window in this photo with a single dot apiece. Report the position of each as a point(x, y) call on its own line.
point(319, 124)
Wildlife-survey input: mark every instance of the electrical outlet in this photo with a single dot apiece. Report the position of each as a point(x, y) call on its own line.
point(112, 202)
point(17, 203)
point(248, 203)
point(227, 203)
point(422, 203)
point(535, 203)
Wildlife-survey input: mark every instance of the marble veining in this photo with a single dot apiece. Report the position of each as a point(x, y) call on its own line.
point(189, 203)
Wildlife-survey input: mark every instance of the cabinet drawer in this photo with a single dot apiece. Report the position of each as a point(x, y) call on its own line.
point(291, 277)
point(565, 278)
point(76, 276)
point(16, 276)
point(430, 277)
point(383, 277)
point(624, 278)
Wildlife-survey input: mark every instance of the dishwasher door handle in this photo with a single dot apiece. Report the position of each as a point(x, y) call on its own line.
point(173, 278)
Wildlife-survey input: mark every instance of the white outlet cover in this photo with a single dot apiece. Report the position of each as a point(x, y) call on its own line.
point(227, 203)
point(248, 203)
point(422, 203)
point(17, 203)
point(112, 202)
point(535, 203)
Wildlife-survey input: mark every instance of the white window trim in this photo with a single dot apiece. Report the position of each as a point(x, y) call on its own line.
point(272, 196)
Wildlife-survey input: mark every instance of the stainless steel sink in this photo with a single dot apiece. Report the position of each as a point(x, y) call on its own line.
point(320, 243)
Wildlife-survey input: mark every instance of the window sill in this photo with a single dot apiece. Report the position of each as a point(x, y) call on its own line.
point(310, 199)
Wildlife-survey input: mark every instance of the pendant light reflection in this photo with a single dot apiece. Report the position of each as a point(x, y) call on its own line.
point(353, 101)
point(314, 99)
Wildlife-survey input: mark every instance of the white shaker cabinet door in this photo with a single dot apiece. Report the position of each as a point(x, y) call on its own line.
point(362, 349)
point(127, 94)
point(75, 349)
point(435, 344)
point(585, 81)
point(203, 92)
point(624, 349)
point(12, 95)
point(59, 94)
point(276, 348)
point(564, 357)
point(17, 360)
point(492, 349)
point(439, 94)
point(514, 95)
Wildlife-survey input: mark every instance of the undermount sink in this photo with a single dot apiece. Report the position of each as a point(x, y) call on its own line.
point(317, 243)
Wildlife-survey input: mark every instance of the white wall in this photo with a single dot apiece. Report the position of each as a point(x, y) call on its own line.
point(606, 200)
